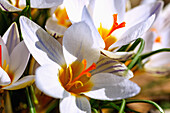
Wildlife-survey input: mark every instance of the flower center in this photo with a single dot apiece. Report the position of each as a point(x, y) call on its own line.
point(106, 34)
point(75, 77)
point(62, 17)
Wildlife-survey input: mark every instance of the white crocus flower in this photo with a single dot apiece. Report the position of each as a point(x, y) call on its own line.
point(113, 27)
point(75, 70)
point(14, 57)
point(156, 38)
point(18, 5)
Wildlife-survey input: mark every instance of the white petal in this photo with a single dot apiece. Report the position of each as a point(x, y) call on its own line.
point(149, 40)
point(159, 59)
point(6, 6)
point(47, 81)
point(121, 56)
point(22, 83)
point(11, 37)
point(108, 65)
point(18, 60)
point(52, 27)
point(134, 32)
point(74, 104)
point(45, 3)
point(74, 9)
point(112, 87)
point(142, 12)
point(44, 48)
point(98, 41)
point(4, 77)
point(78, 42)
point(104, 10)
point(4, 52)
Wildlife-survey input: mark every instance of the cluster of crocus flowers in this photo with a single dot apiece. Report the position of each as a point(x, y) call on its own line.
point(86, 63)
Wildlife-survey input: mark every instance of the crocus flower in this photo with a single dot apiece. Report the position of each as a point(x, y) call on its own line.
point(18, 5)
point(14, 57)
point(75, 70)
point(113, 27)
point(156, 38)
point(58, 23)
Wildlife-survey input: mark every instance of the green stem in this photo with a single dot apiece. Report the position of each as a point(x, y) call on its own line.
point(52, 106)
point(122, 106)
point(134, 44)
point(135, 59)
point(29, 9)
point(30, 103)
point(116, 106)
point(33, 95)
point(123, 48)
point(94, 110)
point(146, 101)
point(154, 52)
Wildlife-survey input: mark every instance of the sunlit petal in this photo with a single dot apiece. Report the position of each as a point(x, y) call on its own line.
point(11, 37)
point(47, 81)
point(112, 87)
point(18, 60)
point(22, 83)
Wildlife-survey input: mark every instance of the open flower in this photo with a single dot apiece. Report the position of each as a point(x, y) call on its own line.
point(156, 38)
point(14, 57)
point(18, 5)
point(75, 70)
point(113, 27)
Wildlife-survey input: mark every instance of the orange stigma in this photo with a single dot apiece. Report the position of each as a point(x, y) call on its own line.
point(158, 39)
point(106, 34)
point(115, 25)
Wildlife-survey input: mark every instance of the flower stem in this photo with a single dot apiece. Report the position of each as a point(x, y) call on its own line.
point(135, 59)
point(30, 103)
point(143, 56)
point(122, 106)
point(29, 9)
point(94, 110)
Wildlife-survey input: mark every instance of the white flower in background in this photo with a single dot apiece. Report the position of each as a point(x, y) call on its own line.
point(156, 38)
point(113, 27)
point(18, 5)
point(58, 23)
point(75, 70)
point(14, 57)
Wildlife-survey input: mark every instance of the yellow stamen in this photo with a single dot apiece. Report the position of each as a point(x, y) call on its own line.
point(4, 64)
point(7, 68)
point(76, 81)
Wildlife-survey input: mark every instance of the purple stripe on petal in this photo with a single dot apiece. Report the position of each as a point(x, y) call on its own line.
point(110, 67)
point(3, 7)
point(106, 63)
point(116, 71)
